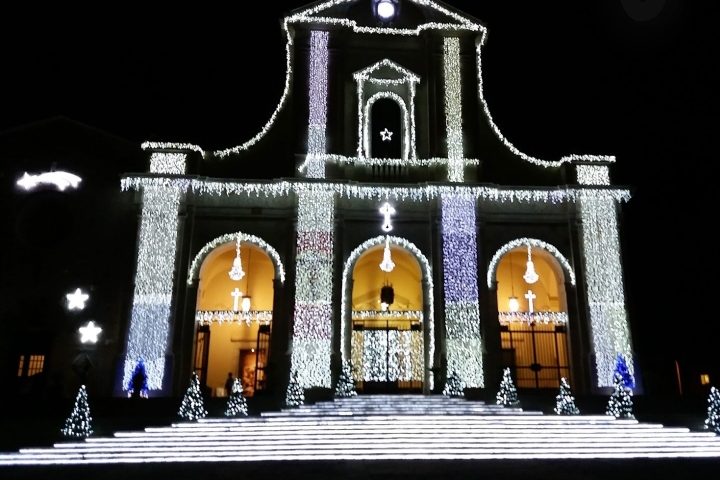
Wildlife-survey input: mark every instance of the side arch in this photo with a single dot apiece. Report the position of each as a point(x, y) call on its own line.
point(533, 242)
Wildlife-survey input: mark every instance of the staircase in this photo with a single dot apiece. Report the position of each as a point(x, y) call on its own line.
point(383, 427)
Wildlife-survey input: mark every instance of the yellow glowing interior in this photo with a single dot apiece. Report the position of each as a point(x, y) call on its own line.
point(549, 289)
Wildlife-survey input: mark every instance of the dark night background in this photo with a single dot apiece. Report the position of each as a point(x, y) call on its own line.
point(633, 78)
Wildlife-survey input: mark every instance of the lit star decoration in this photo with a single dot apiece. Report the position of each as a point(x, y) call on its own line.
point(386, 135)
point(89, 333)
point(346, 336)
point(604, 280)
point(312, 329)
point(462, 310)
point(154, 274)
point(76, 300)
point(61, 180)
point(387, 211)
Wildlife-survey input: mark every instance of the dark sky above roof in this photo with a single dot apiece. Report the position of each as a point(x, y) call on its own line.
point(634, 78)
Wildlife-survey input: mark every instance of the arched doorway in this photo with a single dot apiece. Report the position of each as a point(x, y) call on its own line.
point(234, 316)
point(386, 334)
point(533, 314)
point(386, 129)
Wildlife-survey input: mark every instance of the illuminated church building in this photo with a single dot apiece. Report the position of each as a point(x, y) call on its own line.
point(414, 239)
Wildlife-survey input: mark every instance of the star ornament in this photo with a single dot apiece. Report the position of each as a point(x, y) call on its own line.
point(76, 300)
point(89, 333)
point(386, 135)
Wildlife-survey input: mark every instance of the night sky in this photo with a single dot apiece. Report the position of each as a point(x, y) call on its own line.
point(635, 78)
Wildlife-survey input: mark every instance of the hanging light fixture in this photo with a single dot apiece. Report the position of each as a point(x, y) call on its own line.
point(236, 272)
point(387, 296)
point(246, 299)
point(530, 275)
point(387, 265)
point(513, 303)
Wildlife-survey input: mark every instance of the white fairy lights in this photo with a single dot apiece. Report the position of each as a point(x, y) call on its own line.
point(388, 355)
point(207, 317)
point(317, 103)
point(428, 289)
point(312, 329)
point(604, 280)
point(545, 318)
point(453, 109)
point(172, 146)
point(391, 315)
point(170, 162)
point(593, 174)
point(228, 238)
point(462, 311)
point(526, 242)
point(154, 274)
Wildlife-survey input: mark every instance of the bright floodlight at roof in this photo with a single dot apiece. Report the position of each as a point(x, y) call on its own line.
point(386, 9)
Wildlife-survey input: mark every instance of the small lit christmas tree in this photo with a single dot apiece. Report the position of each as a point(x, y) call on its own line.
point(565, 402)
point(620, 404)
point(454, 387)
point(78, 424)
point(138, 387)
point(236, 404)
point(192, 406)
point(346, 383)
point(507, 395)
point(713, 420)
point(621, 367)
point(295, 393)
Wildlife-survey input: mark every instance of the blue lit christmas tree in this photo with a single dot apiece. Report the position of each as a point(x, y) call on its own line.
point(565, 402)
point(713, 419)
point(79, 423)
point(236, 404)
point(507, 395)
point(138, 387)
point(621, 367)
point(346, 383)
point(295, 394)
point(193, 407)
point(454, 387)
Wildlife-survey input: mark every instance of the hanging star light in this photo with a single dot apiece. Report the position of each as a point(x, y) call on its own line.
point(530, 276)
point(387, 265)
point(89, 333)
point(76, 300)
point(386, 135)
point(236, 272)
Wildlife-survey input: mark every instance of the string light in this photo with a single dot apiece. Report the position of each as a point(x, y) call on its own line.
point(453, 109)
point(413, 315)
point(523, 242)
point(545, 318)
point(318, 102)
point(154, 274)
point(312, 329)
point(428, 290)
point(593, 175)
point(206, 317)
point(604, 283)
point(228, 238)
point(462, 311)
point(388, 355)
point(172, 146)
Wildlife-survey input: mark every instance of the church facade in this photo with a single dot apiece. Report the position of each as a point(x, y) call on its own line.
point(380, 218)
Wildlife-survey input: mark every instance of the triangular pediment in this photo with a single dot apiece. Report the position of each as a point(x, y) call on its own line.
point(414, 16)
point(386, 70)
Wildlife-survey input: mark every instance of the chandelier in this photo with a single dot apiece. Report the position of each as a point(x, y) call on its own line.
point(236, 272)
point(530, 276)
point(387, 265)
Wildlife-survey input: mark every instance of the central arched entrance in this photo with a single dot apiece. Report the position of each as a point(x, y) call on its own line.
point(234, 316)
point(386, 332)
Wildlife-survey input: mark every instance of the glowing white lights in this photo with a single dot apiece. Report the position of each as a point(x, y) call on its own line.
point(346, 324)
point(89, 333)
point(388, 355)
point(230, 237)
point(462, 311)
point(593, 174)
point(386, 135)
point(171, 146)
point(522, 242)
point(236, 272)
point(312, 329)
point(530, 297)
point(317, 103)
point(385, 9)
point(237, 295)
point(453, 109)
point(248, 317)
point(530, 276)
point(387, 265)
point(76, 300)
point(545, 318)
point(604, 280)
point(172, 163)
point(387, 211)
point(414, 315)
point(61, 180)
point(154, 281)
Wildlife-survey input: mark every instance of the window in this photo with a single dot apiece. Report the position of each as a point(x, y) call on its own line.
point(29, 365)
